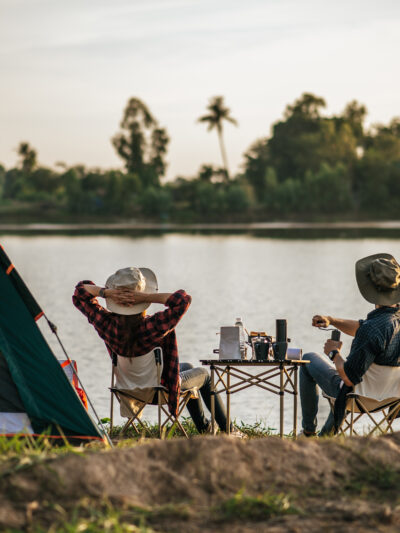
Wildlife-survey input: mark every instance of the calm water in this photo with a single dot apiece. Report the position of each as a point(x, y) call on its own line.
point(259, 279)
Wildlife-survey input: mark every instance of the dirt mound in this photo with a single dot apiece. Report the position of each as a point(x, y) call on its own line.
point(333, 481)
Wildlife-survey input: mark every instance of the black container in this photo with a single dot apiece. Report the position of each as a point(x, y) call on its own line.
point(261, 350)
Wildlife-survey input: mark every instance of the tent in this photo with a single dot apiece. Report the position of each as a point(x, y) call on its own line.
point(36, 396)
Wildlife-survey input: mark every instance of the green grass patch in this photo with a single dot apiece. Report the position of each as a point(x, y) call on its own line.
point(150, 430)
point(374, 479)
point(89, 517)
point(261, 507)
point(22, 452)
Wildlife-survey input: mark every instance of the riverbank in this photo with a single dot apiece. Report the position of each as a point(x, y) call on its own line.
point(207, 484)
point(307, 229)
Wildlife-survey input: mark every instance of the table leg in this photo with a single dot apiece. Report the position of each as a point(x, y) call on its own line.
point(212, 399)
point(228, 401)
point(281, 398)
point(295, 394)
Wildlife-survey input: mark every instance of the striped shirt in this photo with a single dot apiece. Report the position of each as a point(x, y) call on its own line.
point(377, 340)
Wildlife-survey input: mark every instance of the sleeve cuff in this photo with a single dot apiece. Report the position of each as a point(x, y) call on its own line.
point(178, 297)
point(81, 292)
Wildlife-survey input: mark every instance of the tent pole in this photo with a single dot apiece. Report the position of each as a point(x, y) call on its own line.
point(53, 328)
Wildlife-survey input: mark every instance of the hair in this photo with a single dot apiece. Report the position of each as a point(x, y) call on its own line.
point(130, 323)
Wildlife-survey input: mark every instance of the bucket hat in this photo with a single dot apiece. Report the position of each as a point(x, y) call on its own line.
point(378, 278)
point(140, 279)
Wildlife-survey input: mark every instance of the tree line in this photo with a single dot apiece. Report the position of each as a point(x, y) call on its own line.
point(309, 166)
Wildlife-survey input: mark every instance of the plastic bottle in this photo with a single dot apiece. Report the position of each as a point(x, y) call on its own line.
point(242, 338)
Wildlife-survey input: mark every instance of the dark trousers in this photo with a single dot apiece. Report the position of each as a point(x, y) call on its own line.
point(200, 378)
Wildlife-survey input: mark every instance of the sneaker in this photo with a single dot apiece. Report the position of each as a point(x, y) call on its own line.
point(306, 434)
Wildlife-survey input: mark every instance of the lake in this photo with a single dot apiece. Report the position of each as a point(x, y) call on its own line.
point(259, 279)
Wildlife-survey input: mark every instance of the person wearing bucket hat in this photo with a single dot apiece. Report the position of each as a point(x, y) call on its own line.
point(128, 332)
point(376, 340)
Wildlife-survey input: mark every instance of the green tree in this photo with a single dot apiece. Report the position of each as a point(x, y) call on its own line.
point(304, 141)
point(354, 115)
point(217, 114)
point(256, 163)
point(156, 202)
point(378, 171)
point(28, 157)
point(212, 174)
point(2, 179)
point(141, 143)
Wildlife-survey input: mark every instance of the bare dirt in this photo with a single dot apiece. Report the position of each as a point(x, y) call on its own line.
point(349, 485)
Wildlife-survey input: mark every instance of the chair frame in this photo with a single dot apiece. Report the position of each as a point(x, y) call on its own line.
point(356, 408)
point(159, 399)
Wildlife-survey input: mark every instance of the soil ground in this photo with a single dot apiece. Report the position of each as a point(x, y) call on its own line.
point(212, 484)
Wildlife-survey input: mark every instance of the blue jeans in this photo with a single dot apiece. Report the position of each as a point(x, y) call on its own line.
point(319, 371)
point(200, 378)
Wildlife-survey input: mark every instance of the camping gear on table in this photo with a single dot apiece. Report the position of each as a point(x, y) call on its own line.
point(242, 339)
point(229, 343)
point(264, 347)
point(294, 354)
point(261, 345)
point(35, 391)
point(281, 344)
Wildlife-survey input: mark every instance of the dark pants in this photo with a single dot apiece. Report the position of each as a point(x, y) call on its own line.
point(199, 377)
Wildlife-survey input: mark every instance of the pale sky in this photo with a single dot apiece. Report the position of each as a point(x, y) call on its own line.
point(68, 67)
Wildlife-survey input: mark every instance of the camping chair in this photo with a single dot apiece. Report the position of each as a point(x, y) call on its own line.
point(378, 393)
point(138, 384)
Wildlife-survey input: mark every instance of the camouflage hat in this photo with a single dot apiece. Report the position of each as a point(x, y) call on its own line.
point(378, 278)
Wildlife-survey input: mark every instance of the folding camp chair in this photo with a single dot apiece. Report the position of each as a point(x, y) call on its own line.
point(378, 393)
point(138, 384)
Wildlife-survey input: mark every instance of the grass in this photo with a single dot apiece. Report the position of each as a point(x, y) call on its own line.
point(21, 452)
point(255, 430)
point(94, 517)
point(374, 480)
point(254, 508)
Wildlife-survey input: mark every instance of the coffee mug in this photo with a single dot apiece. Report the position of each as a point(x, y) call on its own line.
point(261, 350)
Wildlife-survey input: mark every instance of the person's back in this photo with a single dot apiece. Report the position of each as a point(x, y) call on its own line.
point(377, 340)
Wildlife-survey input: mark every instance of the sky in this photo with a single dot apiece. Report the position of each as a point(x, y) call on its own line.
point(68, 68)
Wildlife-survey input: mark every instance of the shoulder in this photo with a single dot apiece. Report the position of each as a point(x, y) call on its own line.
point(375, 327)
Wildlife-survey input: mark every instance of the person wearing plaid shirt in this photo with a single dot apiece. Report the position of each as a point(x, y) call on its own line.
point(134, 335)
point(149, 331)
point(376, 340)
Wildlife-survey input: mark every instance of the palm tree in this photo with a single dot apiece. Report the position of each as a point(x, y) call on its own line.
point(217, 114)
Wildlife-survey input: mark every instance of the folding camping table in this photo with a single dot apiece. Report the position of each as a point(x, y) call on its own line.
point(232, 376)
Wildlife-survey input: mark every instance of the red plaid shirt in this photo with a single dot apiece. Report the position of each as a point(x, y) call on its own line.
point(152, 331)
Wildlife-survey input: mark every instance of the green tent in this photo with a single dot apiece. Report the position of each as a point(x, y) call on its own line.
point(32, 382)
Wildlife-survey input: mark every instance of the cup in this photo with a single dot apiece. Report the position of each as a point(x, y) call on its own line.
point(261, 350)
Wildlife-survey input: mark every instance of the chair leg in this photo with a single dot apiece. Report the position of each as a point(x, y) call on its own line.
point(131, 421)
point(175, 420)
point(112, 398)
point(392, 415)
point(352, 417)
point(160, 428)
